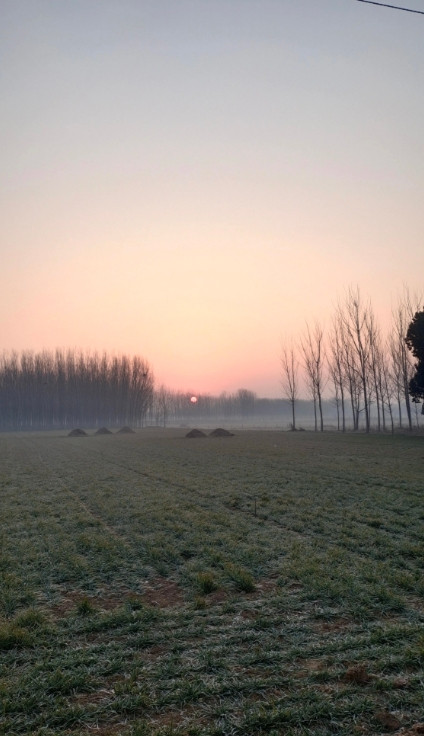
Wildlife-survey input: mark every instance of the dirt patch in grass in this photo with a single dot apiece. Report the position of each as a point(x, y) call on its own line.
point(417, 728)
point(163, 593)
point(388, 720)
point(417, 604)
point(329, 688)
point(151, 654)
point(98, 603)
point(310, 665)
point(108, 730)
point(174, 718)
point(66, 605)
point(94, 698)
point(294, 587)
point(330, 627)
point(358, 675)
point(248, 614)
point(217, 596)
point(264, 587)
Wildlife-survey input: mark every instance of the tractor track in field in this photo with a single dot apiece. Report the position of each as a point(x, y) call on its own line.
point(237, 509)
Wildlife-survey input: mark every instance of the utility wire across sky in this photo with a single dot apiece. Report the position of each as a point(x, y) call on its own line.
point(395, 7)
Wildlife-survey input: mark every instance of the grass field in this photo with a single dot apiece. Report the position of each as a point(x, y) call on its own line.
point(267, 583)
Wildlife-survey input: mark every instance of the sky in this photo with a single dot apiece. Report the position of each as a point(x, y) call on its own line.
point(194, 181)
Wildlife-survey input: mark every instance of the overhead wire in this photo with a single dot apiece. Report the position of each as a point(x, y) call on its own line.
point(395, 7)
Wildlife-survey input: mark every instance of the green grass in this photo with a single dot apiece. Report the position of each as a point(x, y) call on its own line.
point(153, 585)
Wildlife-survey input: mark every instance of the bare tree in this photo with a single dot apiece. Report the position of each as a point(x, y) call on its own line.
point(376, 361)
point(289, 380)
point(313, 353)
point(336, 368)
point(390, 385)
point(162, 404)
point(356, 319)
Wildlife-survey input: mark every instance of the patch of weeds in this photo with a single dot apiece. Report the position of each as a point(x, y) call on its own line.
point(31, 619)
point(135, 602)
point(242, 578)
point(187, 553)
point(14, 594)
point(387, 600)
point(389, 634)
point(263, 623)
point(13, 636)
point(406, 581)
point(415, 653)
point(64, 717)
point(206, 582)
point(9, 603)
point(131, 703)
point(85, 607)
point(141, 729)
point(212, 661)
point(66, 682)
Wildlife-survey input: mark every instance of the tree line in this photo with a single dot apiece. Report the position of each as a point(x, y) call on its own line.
point(354, 377)
point(372, 379)
point(45, 390)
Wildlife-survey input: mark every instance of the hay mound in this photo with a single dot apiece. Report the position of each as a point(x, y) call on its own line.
point(126, 430)
point(77, 433)
point(195, 433)
point(219, 432)
point(103, 430)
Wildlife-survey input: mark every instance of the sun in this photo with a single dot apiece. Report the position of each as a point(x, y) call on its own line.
point(193, 399)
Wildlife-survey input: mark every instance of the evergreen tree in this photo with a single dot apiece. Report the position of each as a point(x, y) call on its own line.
point(415, 342)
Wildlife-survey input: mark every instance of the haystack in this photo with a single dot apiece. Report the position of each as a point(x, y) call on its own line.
point(77, 433)
point(103, 430)
point(195, 433)
point(125, 430)
point(219, 432)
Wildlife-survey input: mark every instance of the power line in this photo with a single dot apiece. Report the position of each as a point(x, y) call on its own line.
point(395, 7)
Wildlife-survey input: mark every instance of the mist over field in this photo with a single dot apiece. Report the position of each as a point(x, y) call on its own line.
point(350, 376)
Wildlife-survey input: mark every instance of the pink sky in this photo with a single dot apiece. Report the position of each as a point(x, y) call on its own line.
point(192, 182)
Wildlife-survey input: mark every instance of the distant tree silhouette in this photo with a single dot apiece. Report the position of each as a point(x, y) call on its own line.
point(356, 317)
point(336, 369)
point(289, 380)
point(415, 342)
point(46, 390)
point(246, 401)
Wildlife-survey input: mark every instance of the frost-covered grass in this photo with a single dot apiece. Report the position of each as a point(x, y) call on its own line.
point(267, 583)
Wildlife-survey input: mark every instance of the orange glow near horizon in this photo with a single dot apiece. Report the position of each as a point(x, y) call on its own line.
point(207, 321)
point(193, 188)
